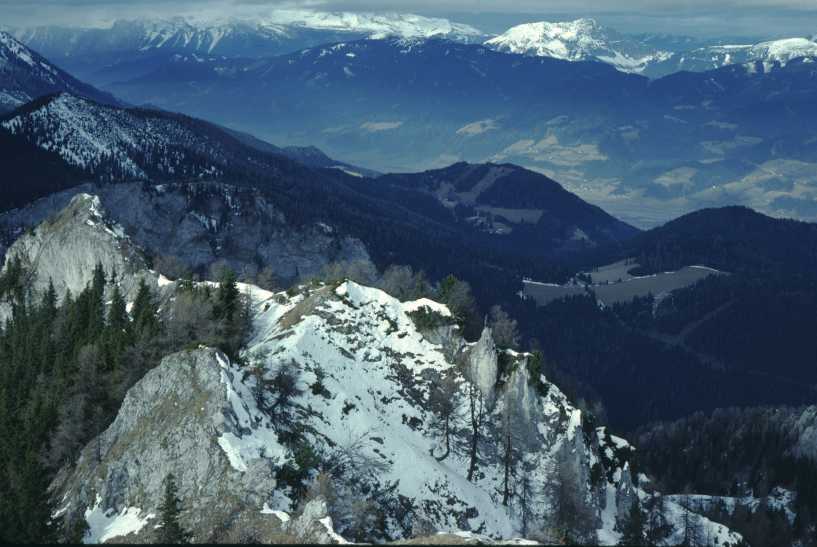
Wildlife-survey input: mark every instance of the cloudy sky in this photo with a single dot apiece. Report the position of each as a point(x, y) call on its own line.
point(757, 18)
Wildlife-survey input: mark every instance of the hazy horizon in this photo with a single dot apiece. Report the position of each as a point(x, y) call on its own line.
point(762, 20)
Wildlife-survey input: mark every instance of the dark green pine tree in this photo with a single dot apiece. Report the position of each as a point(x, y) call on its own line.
point(95, 312)
point(227, 298)
point(633, 532)
point(47, 314)
point(31, 504)
point(145, 324)
point(171, 531)
point(117, 329)
point(229, 314)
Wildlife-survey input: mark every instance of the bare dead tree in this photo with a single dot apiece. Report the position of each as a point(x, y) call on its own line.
point(477, 411)
point(444, 401)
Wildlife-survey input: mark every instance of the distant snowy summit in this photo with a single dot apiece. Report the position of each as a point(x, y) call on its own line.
point(587, 40)
point(404, 25)
point(769, 54)
point(579, 40)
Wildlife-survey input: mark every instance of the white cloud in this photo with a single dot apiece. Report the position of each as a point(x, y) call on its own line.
point(754, 17)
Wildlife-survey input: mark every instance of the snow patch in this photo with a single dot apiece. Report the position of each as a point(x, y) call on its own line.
point(108, 524)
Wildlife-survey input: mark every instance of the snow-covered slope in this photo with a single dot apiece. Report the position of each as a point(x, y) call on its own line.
point(114, 143)
point(375, 25)
point(121, 143)
point(263, 33)
point(765, 54)
point(25, 75)
point(579, 40)
point(587, 40)
point(366, 366)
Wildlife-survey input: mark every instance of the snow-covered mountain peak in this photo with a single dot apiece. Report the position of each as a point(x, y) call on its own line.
point(116, 143)
point(570, 40)
point(784, 50)
point(11, 49)
point(373, 24)
point(579, 40)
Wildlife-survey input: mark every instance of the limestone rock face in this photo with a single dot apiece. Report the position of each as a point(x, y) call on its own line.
point(483, 364)
point(66, 247)
point(168, 423)
point(199, 223)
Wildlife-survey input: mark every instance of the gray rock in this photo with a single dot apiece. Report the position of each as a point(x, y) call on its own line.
point(65, 249)
point(169, 423)
point(199, 223)
point(482, 364)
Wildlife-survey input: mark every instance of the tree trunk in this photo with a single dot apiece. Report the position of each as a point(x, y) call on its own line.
point(476, 419)
point(507, 494)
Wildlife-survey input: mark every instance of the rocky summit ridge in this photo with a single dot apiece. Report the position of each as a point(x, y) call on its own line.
point(395, 427)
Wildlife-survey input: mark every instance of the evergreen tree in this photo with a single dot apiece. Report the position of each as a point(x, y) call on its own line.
point(117, 330)
point(232, 317)
point(145, 324)
point(227, 297)
point(633, 532)
point(171, 531)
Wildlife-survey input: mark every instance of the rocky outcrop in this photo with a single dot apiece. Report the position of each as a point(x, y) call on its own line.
point(363, 419)
point(65, 249)
point(365, 375)
point(482, 364)
point(183, 418)
point(199, 223)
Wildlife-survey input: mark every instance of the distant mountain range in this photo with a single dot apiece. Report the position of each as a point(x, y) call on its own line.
point(129, 48)
point(587, 40)
point(59, 141)
point(644, 149)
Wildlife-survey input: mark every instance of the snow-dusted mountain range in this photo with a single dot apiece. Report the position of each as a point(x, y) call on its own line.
point(587, 40)
point(115, 143)
point(579, 40)
point(765, 54)
point(126, 48)
point(26, 75)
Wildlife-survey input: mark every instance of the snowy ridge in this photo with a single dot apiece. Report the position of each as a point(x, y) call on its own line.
point(377, 378)
point(376, 371)
point(579, 40)
point(365, 372)
point(25, 75)
point(375, 25)
point(586, 40)
point(764, 56)
point(248, 33)
point(118, 143)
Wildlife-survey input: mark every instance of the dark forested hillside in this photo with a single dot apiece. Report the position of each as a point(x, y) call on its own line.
point(736, 452)
point(738, 339)
point(30, 172)
point(64, 371)
point(521, 209)
point(733, 239)
point(638, 374)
